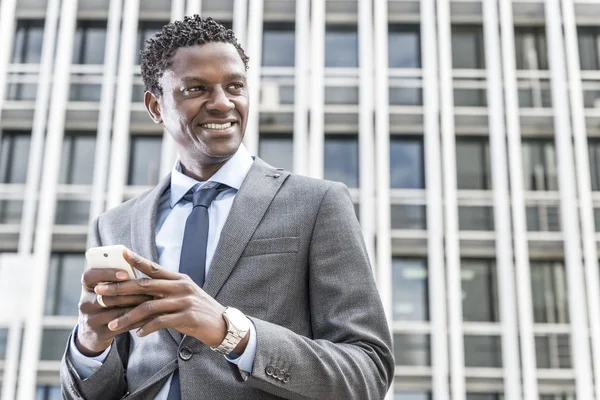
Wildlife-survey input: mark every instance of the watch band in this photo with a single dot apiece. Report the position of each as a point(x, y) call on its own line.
point(234, 335)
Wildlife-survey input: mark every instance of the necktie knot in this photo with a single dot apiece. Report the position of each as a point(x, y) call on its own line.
point(205, 195)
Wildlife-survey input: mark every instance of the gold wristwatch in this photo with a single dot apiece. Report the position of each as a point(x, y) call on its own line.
point(238, 326)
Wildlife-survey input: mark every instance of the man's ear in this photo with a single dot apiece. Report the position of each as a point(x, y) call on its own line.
point(152, 106)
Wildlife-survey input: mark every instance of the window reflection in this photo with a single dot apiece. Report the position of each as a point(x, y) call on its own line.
point(594, 155)
point(341, 46)
point(404, 46)
point(28, 41)
point(277, 150)
point(549, 292)
point(530, 48)
point(588, 47)
point(473, 163)
point(72, 212)
point(341, 159)
point(483, 351)
point(144, 160)
point(77, 161)
point(10, 211)
point(480, 290)
point(467, 47)
point(412, 349)
point(476, 218)
point(90, 39)
point(410, 292)
point(539, 164)
point(406, 163)
point(553, 351)
point(278, 44)
point(14, 156)
point(64, 283)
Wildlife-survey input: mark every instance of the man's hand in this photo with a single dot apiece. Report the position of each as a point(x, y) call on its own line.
point(93, 335)
point(178, 303)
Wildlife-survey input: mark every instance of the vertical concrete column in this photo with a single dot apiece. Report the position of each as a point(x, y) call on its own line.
point(254, 49)
point(515, 168)
point(47, 204)
point(582, 169)
point(435, 222)
point(107, 100)
point(317, 86)
point(40, 119)
point(120, 141)
point(240, 16)
point(301, 87)
point(504, 254)
point(193, 7)
point(580, 338)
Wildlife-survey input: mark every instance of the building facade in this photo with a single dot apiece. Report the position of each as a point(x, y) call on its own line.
point(468, 132)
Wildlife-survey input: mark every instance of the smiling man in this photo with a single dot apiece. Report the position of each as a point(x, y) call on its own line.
point(256, 282)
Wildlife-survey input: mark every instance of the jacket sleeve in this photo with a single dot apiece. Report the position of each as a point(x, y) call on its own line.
point(112, 370)
point(350, 353)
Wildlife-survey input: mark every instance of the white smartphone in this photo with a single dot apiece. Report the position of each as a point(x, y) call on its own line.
point(109, 257)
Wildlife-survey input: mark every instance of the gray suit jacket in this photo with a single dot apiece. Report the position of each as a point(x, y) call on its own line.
point(291, 256)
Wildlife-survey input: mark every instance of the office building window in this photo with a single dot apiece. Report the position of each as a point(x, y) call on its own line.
point(277, 150)
point(410, 292)
point(405, 96)
point(72, 212)
point(341, 46)
point(406, 395)
point(483, 351)
point(553, 351)
point(10, 211)
point(558, 397)
point(144, 160)
point(77, 161)
point(480, 290)
point(530, 47)
point(588, 47)
point(473, 163)
point(54, 342)
point(594, 155)
point(279, 46)
point(404, 46)
point(476, 218)
point(406, 163)
point(539, 164)
point(28, 41)
point(549, 292)
point(21, 91)
point(48, 392)
point(90, 39)
point(341, 159)
point(146, 30)
point(408, 216)
point(3, 342)
point(467, 47)
point(412, 349)
point(484, 396)
point(543, 218)
point(470, 97)
point(63, 286)
point(14, 156)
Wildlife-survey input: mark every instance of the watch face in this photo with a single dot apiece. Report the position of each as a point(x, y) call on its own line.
point(237, 319)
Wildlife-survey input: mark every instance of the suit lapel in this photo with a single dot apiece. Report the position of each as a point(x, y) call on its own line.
point(143, 229)
point(250, 204)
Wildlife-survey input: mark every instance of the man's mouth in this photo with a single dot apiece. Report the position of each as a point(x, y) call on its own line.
point(217, 126)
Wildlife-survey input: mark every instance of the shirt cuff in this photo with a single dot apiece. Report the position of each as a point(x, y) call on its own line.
point(84, 365)
point(246, 359)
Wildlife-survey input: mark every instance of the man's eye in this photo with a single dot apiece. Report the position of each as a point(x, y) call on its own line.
point(236, 86)
point(194, 89)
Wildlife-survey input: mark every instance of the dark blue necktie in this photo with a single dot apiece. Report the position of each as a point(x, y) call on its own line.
point(193, 251)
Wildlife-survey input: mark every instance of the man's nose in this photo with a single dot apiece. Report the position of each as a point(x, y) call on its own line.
point(219, 101)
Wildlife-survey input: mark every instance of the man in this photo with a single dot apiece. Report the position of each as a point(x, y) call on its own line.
point(260, 290)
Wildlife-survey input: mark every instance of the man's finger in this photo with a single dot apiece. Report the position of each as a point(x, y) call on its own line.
point(158, 323)
point(148, 267)
point(123, 301)
point(144, 286)
point(143, 312)
point(91, 277)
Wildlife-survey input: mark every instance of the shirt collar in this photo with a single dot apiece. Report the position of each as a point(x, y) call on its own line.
point(232, 174)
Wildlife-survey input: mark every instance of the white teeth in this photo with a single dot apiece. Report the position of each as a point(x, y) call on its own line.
point(217, 126)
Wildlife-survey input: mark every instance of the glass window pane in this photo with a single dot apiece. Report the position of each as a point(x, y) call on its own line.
point(3, 342)
point(543, 218)
point(21, 91)
point(406, 163)
point(64, 284)
point(72, 212)
point(476, 218)
point(549, 292)
point(480, 290)
point(588, 47)
point(408, 216)
point(410, 290)
point(89, 42)
point(539, 164)
point(473, 163)
point(146, 30)
point(530, 47)
point(594, 156)
point(405, 96)
point(483, 351)
point(278, 44)
point(341, 159)
point(277, 150)
point(341, 95)
point(48, 392)
point(77, 161)
point(28, 41)
point(14, 156)
point(10, 211)
point(404, 46)
point(402, 395)
point(484, 396)
point(341, 46)
point(467, 47)
point(412, 349)
point(470, 97)
point(144, 160)
point(54, 343)
point(553, 351)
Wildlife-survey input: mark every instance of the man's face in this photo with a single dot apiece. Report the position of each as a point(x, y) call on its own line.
point(204, 104)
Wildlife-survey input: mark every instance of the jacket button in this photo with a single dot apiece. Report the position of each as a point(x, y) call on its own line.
point(276, 373)
point(185, 353)
point(269, 370)
point(287, 377)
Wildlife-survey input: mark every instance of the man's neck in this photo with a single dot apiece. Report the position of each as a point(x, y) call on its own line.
point(200, 172)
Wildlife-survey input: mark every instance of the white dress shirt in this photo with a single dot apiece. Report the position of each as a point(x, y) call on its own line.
point(170, 226)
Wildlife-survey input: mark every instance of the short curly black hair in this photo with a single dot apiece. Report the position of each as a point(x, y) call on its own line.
point(157, 57)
